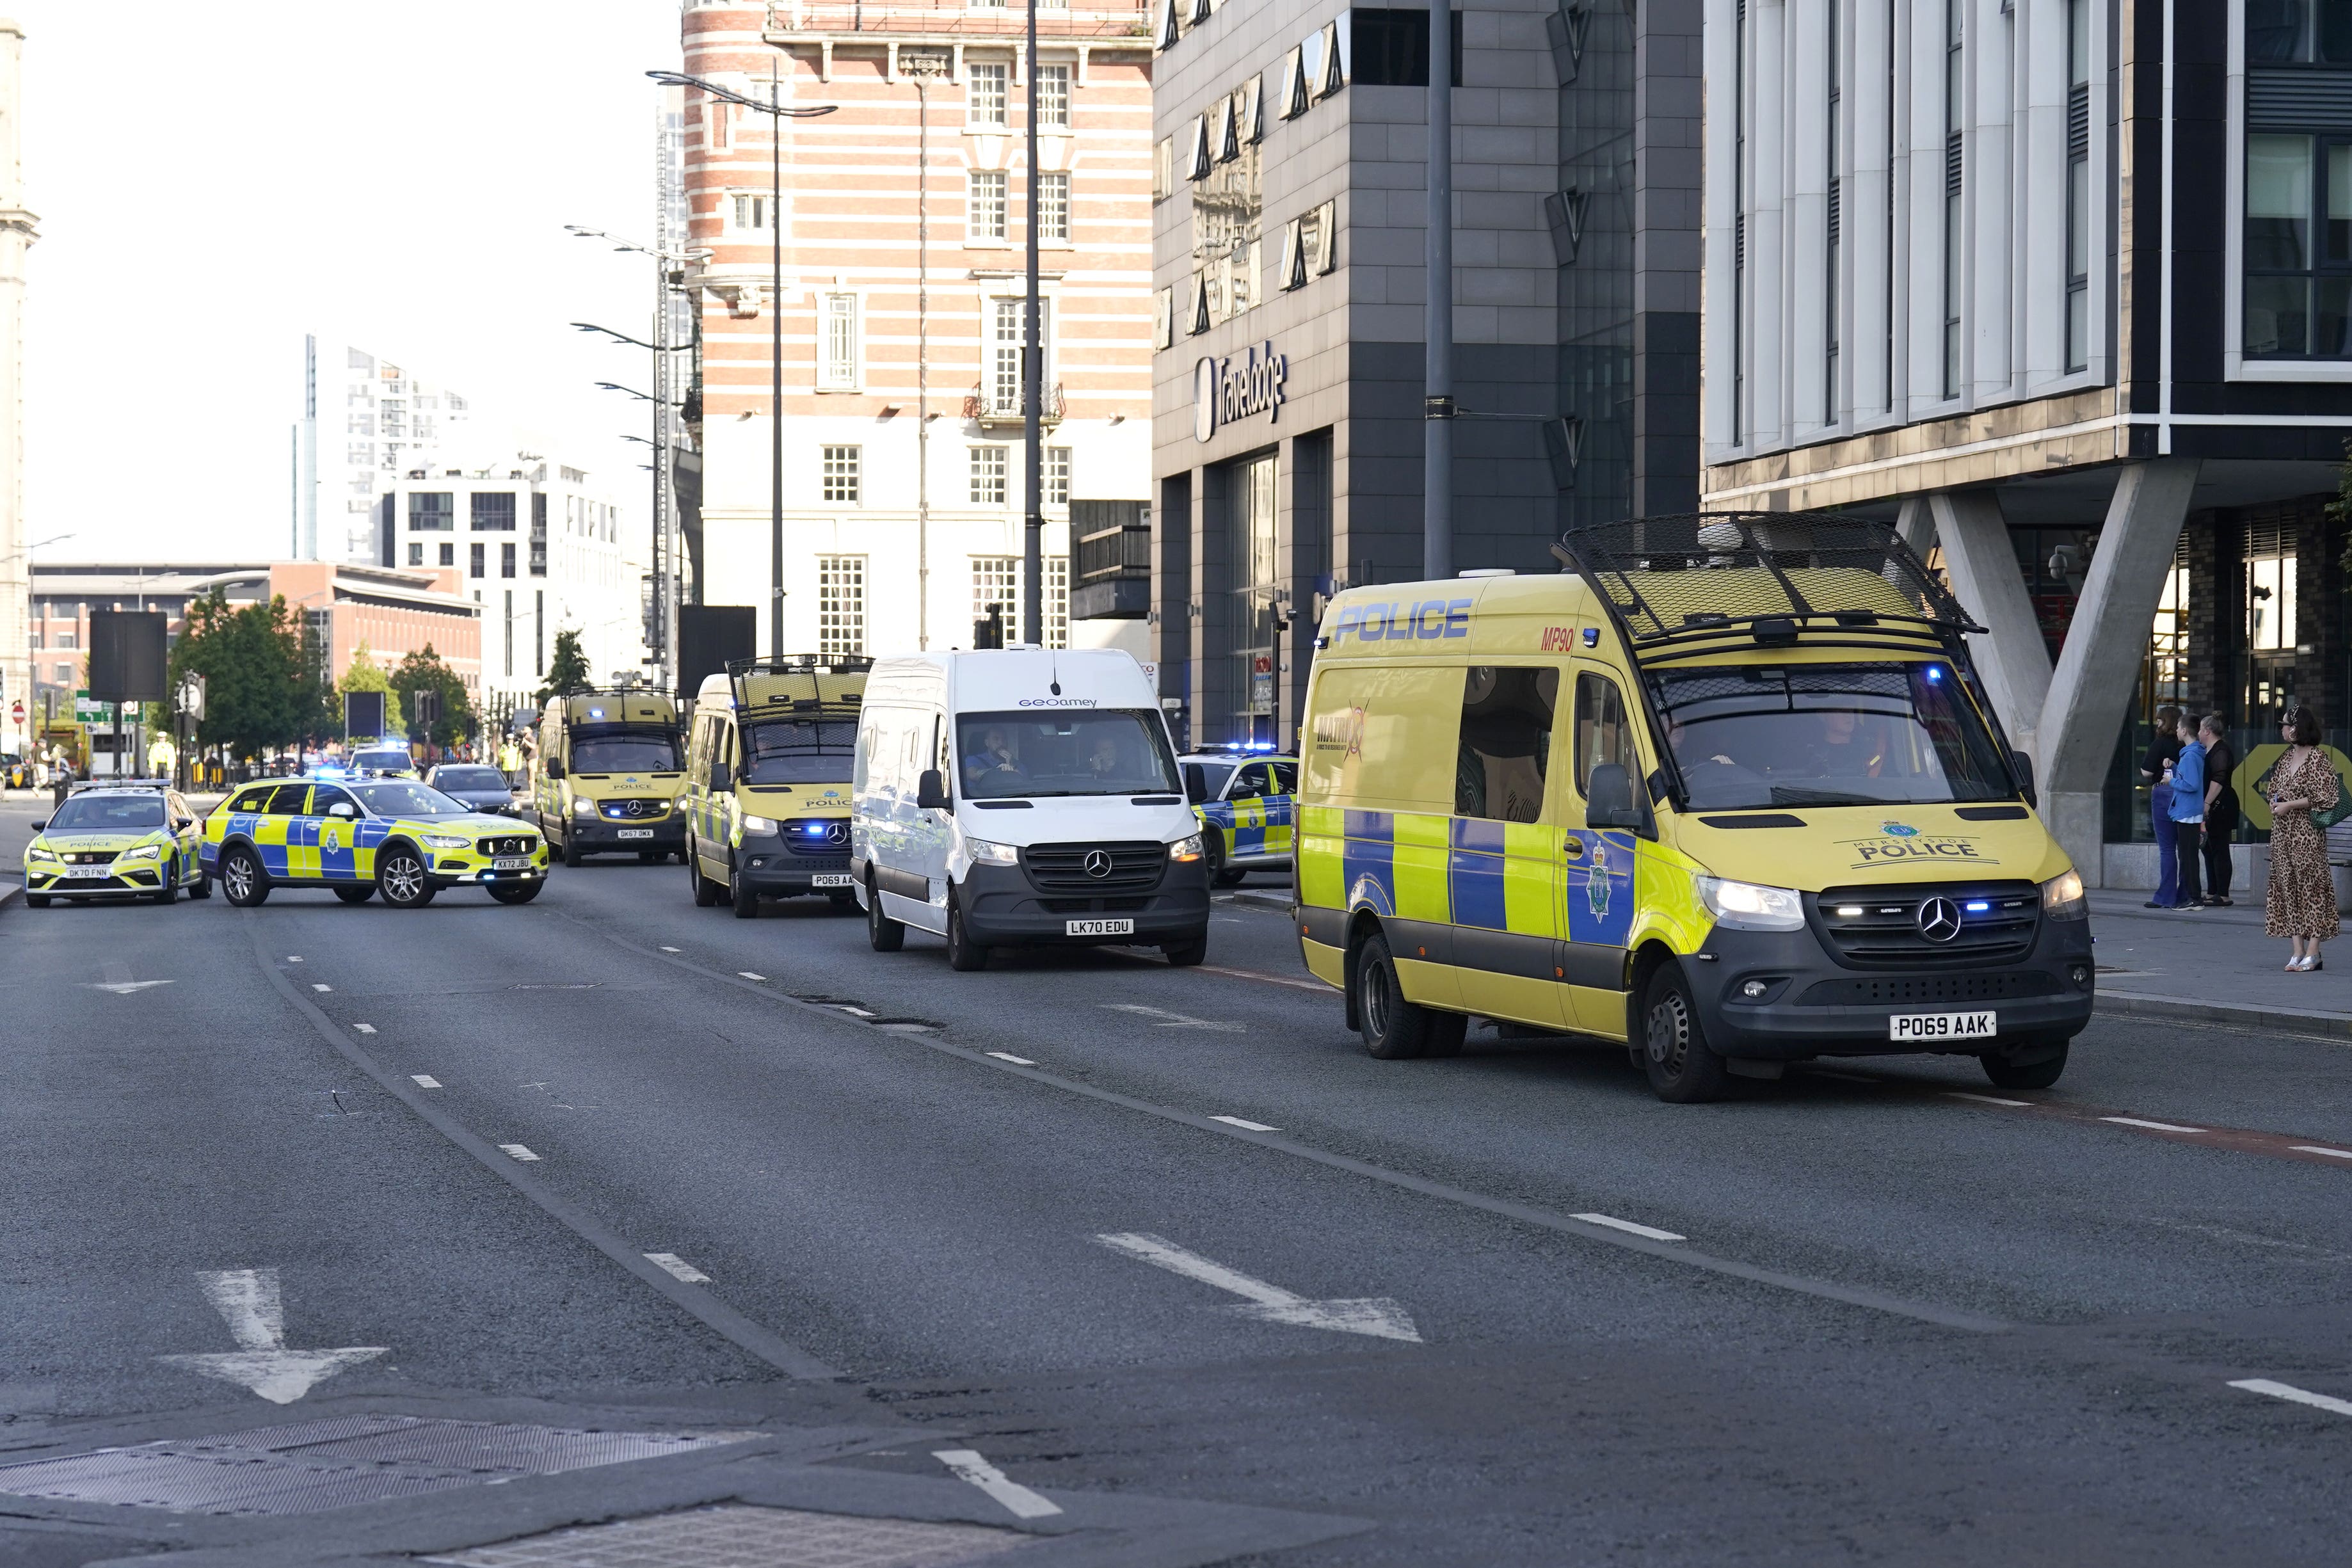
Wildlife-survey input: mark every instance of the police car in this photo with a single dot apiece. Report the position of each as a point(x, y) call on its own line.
point(1243, 798)
point(364, 834)
point(126, 839)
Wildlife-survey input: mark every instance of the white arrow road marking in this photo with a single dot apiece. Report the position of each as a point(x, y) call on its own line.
point(2299, 1395)
point(246, 1299)
point(969, 1465)
point(678, 1268)
point(1378, 1316)
point(124, 987)
point(1168, 1020)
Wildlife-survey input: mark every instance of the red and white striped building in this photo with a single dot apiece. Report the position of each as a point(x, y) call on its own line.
point(862, 572)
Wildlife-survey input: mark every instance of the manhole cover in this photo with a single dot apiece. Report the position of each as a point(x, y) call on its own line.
point(308, 1466)
point(737, 1536)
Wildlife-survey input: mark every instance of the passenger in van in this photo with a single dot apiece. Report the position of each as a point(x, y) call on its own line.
point(1104, 762)
point(1846, 751)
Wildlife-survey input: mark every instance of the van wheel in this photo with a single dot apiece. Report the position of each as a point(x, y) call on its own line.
point(1684, 1069)
point(1184, 954)
point(2005, 1072)
point(1393, 1028)
point(883, 934)
point(740, 893)
point(963, 954)
point(359, 893)
point(707, 892)
point(243, 880)
point(571, 855)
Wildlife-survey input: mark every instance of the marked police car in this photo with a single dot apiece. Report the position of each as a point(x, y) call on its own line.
point(1243, 799)
point(363, 836)
point(115, 840)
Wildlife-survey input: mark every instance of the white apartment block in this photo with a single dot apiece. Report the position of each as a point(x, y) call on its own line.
point(903, 295)
point(365, 421)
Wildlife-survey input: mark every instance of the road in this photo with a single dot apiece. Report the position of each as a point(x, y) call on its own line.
point(1132, 1231)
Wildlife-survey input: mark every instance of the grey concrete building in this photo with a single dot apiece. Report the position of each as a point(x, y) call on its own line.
point(1289, 222)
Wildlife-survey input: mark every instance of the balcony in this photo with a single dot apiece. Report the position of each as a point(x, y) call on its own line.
point(991, 408)
point(1110, 566)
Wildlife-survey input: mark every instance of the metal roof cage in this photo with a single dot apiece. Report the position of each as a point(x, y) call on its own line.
point(802, 683)
point(1772, 575)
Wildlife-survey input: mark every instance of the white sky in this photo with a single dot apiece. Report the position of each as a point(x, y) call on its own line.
point(212, 182)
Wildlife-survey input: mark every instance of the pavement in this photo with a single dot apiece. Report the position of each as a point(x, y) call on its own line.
point(1160, 1250)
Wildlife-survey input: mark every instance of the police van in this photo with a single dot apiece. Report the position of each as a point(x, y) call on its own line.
point(608, 773)
point(767, 781)
point(1726, 790)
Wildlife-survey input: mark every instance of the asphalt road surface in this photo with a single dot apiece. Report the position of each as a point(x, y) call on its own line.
point(1127, 1229)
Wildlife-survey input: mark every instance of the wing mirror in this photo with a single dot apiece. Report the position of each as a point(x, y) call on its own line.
point(931, 790)
point(2024, 767)
point(1609, 799)
point(720, 782)
point(40, 825)
point(182, 824)
point(1196, 783)
point(342, 809)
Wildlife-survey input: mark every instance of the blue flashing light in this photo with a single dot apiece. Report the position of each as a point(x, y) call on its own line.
point(1935, 672)
point(595, 713)
point(1976, 906)
point(1593, 637)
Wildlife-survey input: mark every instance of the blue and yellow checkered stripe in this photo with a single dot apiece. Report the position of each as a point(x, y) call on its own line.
point(1469, 872)
point(1262, 824)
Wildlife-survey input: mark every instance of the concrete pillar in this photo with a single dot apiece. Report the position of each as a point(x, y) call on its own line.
point(1916, 525)
point(2097, 670)
point(1982, 565)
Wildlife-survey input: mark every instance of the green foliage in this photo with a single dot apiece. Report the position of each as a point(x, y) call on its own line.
point(423, 671)
point(569, 667)
point(365, 675)
point(250, 658)
point(2340, 509)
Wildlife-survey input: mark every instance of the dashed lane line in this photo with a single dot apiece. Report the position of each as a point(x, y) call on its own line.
point(316, 987)
point(968, 1465)
point(2290, 1392)
point(364, 1028)
point(1009, 1057)
point(678, 1268)
point(669, 950)
point(1985, 1099)
point(517, 1152)
point(424, 1080)
point(2321, 1149)
point(1627, 1225)
point(2150, 1126)
point(748, 975)
point(1244, 1126)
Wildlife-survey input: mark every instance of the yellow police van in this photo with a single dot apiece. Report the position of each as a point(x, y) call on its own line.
point(1728, 790)
point(607, 775)
point(766, 795)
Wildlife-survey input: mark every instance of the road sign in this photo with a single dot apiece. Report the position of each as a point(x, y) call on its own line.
point(192, 697)
point(87, 712)
point(16, 711)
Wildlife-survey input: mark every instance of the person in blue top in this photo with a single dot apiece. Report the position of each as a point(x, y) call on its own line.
point(2189, 813)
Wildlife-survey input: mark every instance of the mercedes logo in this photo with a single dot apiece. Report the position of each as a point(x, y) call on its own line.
point(1939, 920)
point(836, 833)
point(1097, 862)
point(637, 808)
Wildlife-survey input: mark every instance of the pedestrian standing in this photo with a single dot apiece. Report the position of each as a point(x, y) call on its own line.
point(2187, 812)
point(2221, 808)
point(2157, 769)
point(2302, 902)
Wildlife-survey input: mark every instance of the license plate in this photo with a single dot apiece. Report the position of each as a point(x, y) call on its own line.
point(636, 833)
point(1098, 927)
point(831, 880)
point(1941, 1026)
point(511, 863)
point(89, 873)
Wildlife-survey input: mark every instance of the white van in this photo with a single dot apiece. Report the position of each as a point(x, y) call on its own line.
point(1022, 797)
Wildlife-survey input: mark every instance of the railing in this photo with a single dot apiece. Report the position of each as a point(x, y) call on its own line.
point(1101, 19)
point(1109, 539)
point(987, 405)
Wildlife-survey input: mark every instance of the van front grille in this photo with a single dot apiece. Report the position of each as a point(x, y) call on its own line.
point(1881, 928)
point(1124, 867)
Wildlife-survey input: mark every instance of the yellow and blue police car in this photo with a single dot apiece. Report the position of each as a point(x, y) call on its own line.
point(116, 840)
point(1243, 798)
point(361, 835)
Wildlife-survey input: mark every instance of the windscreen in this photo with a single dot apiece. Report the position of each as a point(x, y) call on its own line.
point(1828, 734)
point(646, 751)
point(1118, 751)
point(469, 778)
point(383, 762)
point(800, 751)
point(109, 813)
point(407, 800)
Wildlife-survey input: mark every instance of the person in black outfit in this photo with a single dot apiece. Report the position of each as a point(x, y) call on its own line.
point(2221, 808)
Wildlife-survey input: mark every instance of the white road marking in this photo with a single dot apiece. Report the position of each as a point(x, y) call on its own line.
point(1009, 1057)
point(316, 987)
point(2298, 1395)
point(1244, 1126)
point(1985, 1099)
point(2321, 1149)
point(669, 950)
point(248, 1300)
point(748, 975)
point(1652, 1232)
point(125, 987)
point(424, 1080)
point(1168, 1020)
point(364, 1028)
point(969, 1465)
point(518, 1151)
point(1378, 1316)
point(2151, 1126)
point(678, 1268)
point(293, 958)
point(853, 1012)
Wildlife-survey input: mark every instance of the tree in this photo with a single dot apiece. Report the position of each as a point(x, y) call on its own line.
point(363, 674)
point(316, 700)
point(568, 669)
point(250, 658)
point(423, 671)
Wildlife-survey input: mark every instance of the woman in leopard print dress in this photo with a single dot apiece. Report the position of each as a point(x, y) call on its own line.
point(2302, 902)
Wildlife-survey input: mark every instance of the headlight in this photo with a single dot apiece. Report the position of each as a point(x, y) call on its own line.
point(2061, 898)
point(981, 850)
point(583, 807)
point(1187, 848)
point(1743, 905)
point(759, 824)
point(35, 852)
point(145, 852)
point(446, 841)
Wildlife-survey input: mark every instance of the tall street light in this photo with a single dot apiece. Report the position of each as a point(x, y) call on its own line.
point(778, 114)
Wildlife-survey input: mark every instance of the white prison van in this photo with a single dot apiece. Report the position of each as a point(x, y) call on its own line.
point(1022, 797)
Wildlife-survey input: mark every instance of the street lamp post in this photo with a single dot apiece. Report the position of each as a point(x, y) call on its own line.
point(777, 114)
point(1032, 391)
point(922, 68)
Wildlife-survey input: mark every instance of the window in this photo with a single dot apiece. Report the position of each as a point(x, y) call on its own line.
point(538, 533)
point(840, 606)
point(1498, 769)
point(988, 476)
point(1602, 734)
point(840, 466)
point(434, 510)
point(507, 565)
point(1057, 476)
point(996, 584)
point(1955, 256)
point(2298, 246)
point(65, 674)
point(448, 555)
point(2315, 32)
point(1053, 205)
point(753, 213)
point(983, 98)
point(984, 205)
point(1056, 604)
point(838, 342)
point(1053, 95)
point(493, 511)
point(1007, 341)
point(718, 124)
point(416, 552)
point(2078, 184)
point(509, 644)
point(1390, 47)
point(474, 559)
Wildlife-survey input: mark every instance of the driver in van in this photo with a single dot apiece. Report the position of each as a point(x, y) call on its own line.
point(1104, 761)
point(1846, 750)
point(994, 757)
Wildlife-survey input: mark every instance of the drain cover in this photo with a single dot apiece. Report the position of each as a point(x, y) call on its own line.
point(307, 1466)
point(742, 1537)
